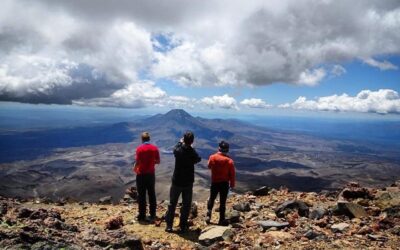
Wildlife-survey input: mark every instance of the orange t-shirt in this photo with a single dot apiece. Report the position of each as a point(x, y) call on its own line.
point(222, 168)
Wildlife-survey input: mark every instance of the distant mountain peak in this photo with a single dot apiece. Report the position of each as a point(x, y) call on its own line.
point(178, 114)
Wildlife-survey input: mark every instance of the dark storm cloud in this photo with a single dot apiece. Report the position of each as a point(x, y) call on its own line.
point(84, 83)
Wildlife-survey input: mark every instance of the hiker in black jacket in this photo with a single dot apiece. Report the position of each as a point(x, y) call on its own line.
point(182, 181)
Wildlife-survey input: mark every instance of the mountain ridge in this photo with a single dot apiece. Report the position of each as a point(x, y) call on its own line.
point(68, 164)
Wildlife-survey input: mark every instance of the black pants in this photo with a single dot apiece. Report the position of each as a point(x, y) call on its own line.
point(222, 188)
point(146, 182)
point(174, 194)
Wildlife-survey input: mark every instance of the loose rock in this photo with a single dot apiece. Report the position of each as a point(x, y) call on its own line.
point(242, 207)
point(261, 191)
point(114, 223)
point(233, 217)
point(340, 227)
point(356, 192)
point(270, 223)
point(212, 234)
point(279, 235)
point(317, 213)
point(350, 209)
point(24, 213)
point(105, 200)
point(310, 234)
point(298, 205)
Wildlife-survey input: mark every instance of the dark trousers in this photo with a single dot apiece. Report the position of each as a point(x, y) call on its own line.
point(146, 182)
point(222, 188)
point(174, 194)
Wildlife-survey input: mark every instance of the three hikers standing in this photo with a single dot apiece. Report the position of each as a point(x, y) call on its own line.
point(222, 178)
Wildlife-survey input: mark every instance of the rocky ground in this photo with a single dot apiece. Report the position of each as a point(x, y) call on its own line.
point(351, 218)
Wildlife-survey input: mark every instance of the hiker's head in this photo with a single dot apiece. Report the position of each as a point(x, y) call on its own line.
point(188, 138)
point(145, 136)
point(223, 147)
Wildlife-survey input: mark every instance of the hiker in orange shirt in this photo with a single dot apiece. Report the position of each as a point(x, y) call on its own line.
point(222, 177)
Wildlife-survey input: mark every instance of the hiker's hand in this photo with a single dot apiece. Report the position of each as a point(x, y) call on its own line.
point(134, 168)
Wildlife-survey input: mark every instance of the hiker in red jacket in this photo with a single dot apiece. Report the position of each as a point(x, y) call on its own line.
point(147, 155)
point(222, 177)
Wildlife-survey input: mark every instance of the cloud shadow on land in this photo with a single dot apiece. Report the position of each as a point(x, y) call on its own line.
point(289, 180)
point(255, 164)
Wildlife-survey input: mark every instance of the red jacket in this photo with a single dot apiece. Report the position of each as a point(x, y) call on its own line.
point(222, 168)
point(147, 156)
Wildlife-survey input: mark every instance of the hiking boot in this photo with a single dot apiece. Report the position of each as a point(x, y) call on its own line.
point(208, 218)
point(223, 222)
point(152, 219)
point(141, 218)
point(183, 229)
point(168, 229)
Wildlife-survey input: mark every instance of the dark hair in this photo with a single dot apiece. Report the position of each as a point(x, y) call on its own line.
point(145, 136)
point(188, 137)
point(223, 147)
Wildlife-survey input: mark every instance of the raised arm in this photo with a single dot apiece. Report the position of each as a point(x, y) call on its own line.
point(177, 148)
point(196, 157)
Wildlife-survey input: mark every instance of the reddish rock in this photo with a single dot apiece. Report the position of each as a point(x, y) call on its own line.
point(322, 222)
point(114, 223)
point(365, 230)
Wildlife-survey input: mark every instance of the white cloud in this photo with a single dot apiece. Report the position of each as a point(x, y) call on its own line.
point(55, 57)
point(281, 42)
point(255, 103)
point(385, 65)
point(179, 102)
point(382, 101)
point(30, 74)
point(91, 49)
point(311, 78)
point(189, 65)
point(224, 101)
point(135, 95)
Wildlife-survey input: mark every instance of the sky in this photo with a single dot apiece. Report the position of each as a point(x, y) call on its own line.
point(237, 57)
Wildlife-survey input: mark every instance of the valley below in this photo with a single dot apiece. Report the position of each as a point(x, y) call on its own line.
point(101, 164)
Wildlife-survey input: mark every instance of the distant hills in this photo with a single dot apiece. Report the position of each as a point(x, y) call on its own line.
point(90, 162)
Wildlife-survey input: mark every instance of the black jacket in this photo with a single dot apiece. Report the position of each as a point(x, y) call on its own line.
point(185, 158)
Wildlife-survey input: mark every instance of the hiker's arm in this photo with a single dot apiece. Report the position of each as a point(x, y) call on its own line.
point(196, 157)
point(210, 162)
point(177, 147)
point(157, 160)
point(232, 174)
point(136, 163)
